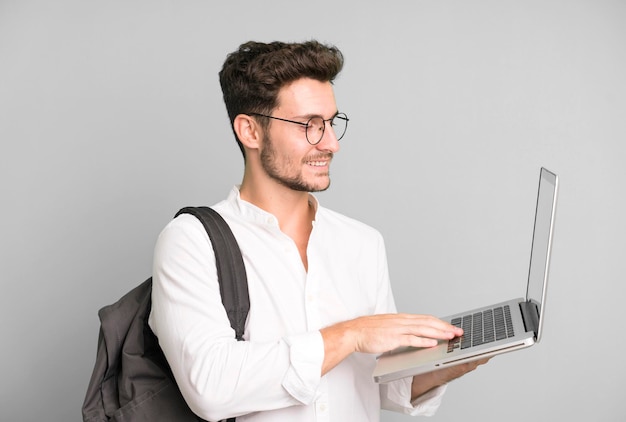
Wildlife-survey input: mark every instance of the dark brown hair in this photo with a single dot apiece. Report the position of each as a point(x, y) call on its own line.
point(252, 76)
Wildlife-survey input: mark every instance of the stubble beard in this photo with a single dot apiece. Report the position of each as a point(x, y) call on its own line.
point(269, 161)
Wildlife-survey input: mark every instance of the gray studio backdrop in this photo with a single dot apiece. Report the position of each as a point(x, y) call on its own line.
point(111, 119)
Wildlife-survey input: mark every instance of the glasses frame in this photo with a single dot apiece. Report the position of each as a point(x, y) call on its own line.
point(342, 116)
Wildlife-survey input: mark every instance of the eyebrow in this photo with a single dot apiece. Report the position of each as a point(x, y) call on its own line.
point(311, 115)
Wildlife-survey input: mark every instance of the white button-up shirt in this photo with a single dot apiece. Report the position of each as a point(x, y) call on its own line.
point(276, 374)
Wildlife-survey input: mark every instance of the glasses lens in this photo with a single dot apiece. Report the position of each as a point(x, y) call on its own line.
point(339, 124)
point(315, 130)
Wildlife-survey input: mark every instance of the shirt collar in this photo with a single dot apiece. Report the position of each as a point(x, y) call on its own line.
point(250, 211)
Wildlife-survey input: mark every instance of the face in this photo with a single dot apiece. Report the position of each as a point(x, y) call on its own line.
point(286, 156)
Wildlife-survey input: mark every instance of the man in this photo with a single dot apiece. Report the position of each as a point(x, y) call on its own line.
point(321, 302)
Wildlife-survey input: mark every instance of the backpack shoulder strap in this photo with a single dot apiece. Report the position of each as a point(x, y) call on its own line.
point(231, 271)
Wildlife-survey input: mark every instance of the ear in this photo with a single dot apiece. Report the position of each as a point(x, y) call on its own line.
point(248, 131)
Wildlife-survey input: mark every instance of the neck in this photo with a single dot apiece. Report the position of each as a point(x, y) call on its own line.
point(293, 209)
point(287, 205)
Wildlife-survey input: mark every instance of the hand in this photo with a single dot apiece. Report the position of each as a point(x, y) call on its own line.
point(381, 333)
point(425, 382)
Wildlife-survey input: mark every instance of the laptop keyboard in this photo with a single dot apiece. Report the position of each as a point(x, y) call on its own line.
point(482, 327)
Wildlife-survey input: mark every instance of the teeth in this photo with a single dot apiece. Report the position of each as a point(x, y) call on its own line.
point(319, 161)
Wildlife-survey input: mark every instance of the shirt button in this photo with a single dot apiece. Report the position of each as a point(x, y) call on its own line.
point(322, 407)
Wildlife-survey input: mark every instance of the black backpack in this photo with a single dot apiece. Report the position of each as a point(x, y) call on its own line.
point(131, 380)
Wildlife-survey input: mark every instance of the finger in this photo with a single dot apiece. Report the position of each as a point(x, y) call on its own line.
point(415, 341)
point(475, 364)
point(430, 332)
point(432, 321)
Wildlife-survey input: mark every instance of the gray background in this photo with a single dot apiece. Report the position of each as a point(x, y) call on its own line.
point(111, 119)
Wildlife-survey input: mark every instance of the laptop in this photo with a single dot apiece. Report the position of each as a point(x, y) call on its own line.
point(490, 330)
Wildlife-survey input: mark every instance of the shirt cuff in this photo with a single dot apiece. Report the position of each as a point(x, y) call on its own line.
point(428, 403)
point(306, 355)
point(396, 396)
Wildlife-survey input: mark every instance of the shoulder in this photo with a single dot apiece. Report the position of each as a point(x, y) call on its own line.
point(183, 226)
point(183, 238)
point(188, 225)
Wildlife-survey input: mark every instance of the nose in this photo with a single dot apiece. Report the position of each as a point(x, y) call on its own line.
point(329, 140)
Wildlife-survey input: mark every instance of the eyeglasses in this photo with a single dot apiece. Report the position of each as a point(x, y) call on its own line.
point(316, 126)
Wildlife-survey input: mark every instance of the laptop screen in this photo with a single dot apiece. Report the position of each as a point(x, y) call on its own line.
point(542, 242)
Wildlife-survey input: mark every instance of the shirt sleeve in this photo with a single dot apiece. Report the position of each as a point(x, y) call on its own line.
point(218, 376)
point(396, 396)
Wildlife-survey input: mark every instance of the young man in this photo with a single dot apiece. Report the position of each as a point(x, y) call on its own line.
point(321, 302)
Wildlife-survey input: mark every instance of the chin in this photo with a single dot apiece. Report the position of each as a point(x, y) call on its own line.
point(321, 188)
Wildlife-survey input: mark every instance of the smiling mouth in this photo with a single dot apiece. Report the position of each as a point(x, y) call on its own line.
point(319, 161)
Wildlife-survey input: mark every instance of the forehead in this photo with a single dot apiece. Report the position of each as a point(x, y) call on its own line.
point(305, 97)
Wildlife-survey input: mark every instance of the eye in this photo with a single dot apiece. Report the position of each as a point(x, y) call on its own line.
point(316, 124)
